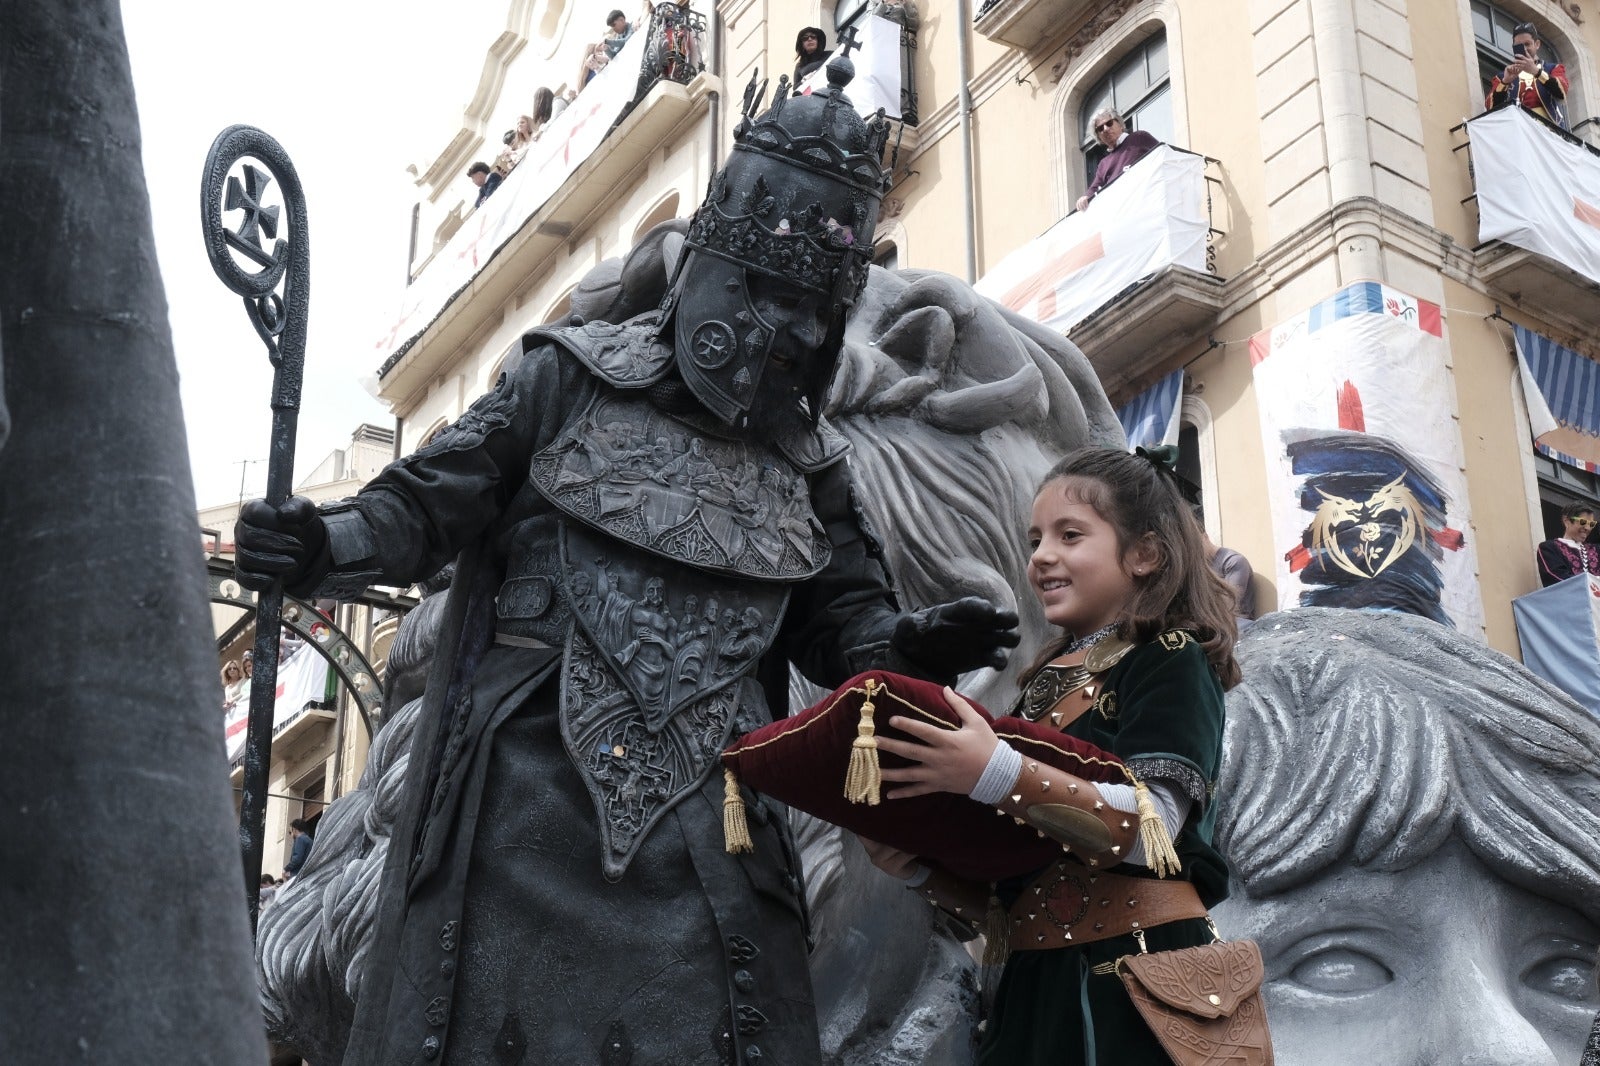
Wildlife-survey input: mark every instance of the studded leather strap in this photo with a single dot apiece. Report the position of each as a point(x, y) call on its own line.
point(1069, 905)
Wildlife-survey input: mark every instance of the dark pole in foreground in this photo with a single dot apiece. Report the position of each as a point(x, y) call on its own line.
point(122, 934)
point(280, 321)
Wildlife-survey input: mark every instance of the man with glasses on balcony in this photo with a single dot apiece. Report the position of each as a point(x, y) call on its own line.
point(1126, 149)
point(1571, 553)
point(1539, 87)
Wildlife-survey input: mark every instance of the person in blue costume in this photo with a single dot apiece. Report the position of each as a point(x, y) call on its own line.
point(1145, 654)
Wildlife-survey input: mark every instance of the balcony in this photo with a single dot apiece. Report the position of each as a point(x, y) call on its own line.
point(1539, 240)
point(589, 157)
point(1128, 280)
point(1026, 24)
point(1136, 334)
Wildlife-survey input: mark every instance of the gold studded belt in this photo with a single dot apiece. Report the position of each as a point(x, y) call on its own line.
point(1071, 904)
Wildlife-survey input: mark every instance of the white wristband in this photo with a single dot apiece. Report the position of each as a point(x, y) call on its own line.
point(1005, 766)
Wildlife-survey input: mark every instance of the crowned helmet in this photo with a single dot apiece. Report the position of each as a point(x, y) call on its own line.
point(796, 202)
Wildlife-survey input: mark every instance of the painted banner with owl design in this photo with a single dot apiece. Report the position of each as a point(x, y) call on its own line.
point(1364, 458)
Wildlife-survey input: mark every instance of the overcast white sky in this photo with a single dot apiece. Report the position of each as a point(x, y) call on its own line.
point(354, 90)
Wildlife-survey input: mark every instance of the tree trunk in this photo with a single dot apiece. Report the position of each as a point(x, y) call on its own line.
point(123, 936)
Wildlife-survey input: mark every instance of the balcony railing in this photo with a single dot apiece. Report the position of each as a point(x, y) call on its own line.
point(1539, 229)
point(674, 48)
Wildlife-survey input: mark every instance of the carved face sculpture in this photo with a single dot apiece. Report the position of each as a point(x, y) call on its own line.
point(1412, 824)
point(1442, 962)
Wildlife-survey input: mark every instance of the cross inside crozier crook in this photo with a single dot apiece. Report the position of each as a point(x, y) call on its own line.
point(847, 41)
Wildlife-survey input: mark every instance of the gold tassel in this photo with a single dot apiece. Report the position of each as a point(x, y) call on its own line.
point(735, 829)
point(1158, 850)
point(864, 780)
point(996, 935)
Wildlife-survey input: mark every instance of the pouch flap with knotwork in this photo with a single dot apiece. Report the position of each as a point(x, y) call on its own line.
point(1208, 982)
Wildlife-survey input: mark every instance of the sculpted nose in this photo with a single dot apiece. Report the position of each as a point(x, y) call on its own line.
point(1484, 1027)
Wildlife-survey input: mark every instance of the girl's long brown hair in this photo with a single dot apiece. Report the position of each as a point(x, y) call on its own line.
point(1138, 498)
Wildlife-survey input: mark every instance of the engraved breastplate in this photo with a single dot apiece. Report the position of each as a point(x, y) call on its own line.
point(652, 677)
point(641, 476)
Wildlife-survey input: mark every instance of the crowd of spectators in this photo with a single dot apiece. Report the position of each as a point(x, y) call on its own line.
point(549, 103)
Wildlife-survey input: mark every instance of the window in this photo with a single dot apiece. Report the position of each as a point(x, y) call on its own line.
point(847, 12)
point(1140, 88)
point(886, 255)
point(1560, 485)
point(1492, 30)
point(666, 209)
point(1189, 477)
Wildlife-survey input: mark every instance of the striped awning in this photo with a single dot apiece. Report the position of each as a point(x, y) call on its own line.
point(1563, 392)
point(1152, 416)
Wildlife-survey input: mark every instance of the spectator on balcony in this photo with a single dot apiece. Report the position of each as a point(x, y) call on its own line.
point(300, 830)
point(1540, 87)
point(544, 109)
point(247, 663)
point(1126, 149)
point(562, 99)
point(234, 684)
point(594, 61)
point(1571, 553)
point(487, 181)
point(621, 29)
point(810, 52)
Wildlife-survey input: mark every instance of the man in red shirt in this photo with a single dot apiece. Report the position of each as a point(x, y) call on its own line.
point(1539, 87)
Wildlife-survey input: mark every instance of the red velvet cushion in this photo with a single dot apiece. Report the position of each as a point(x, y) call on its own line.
point(803, 760)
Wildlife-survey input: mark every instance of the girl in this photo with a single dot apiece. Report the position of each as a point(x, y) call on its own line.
point(1146, 652)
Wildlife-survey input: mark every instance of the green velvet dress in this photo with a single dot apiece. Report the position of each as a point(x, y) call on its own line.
point(1161, 710)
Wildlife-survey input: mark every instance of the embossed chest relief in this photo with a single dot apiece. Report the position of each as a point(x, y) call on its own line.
point(652, 677)
point(636, 474)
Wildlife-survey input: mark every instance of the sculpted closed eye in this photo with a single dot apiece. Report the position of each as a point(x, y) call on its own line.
point(1339, 971)
point(1564, 975)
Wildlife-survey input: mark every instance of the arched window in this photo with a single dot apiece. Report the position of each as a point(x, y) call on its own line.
point(433, 431)
point(1197, 463)
point(559, 310)
point(1140, 88)
point(666, 209)
point(1492, 30)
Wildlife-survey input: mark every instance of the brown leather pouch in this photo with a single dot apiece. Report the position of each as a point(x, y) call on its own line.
point(1203, 1004)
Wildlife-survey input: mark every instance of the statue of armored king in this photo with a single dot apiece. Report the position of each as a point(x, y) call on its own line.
point(650, 520)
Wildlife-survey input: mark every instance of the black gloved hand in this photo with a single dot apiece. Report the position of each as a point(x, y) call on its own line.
point(285, 544)
point(952, 638)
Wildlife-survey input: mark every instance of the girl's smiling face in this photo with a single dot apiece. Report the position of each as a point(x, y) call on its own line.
point(1077, 569)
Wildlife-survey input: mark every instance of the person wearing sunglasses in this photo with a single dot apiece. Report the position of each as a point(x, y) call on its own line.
point(1126, 149)
point(1571, 553)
